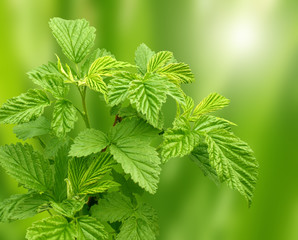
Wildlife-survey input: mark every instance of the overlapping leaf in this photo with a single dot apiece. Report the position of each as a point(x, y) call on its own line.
point(87, 142)
point(177, 72)
point(136, 156)
point(24, 108)
point(64, 117)
point(179, 140)
point(20, 206)
point(26, 166)
point(68, 207)
point(114, 207)
point(233, 160)
point(211, 103)
point(75, 37)
point(52, 228)
point(118, 89)
point(142, 56)
point(90, 228)
point(38, 127)
point(137, 229)
point(148, 95)
point(49, 78)
point(158, 60)
point(84, 179)
point(200, 156)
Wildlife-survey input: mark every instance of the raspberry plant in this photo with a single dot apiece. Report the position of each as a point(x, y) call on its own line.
point(91, 185)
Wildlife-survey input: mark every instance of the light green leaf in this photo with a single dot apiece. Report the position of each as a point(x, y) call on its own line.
point(233, 161)
point(96, 83)
point(142, 56)
point(92, 57)
point(176, 92)
point(24, 108)
point(177, 72)
point(113, 207)
point(136, 229)
point(69, 207)
point(38, 127)
point(37, 73)
point(87, 142)
point(138, 159)
point(178, 141)
point(211, 103)
point(200, 156)
point(75, 37)
point(90, 228)
point(64, 117)
point(51, 82)
point(158, 60)
point(208, 123)
point(20, 206)
point(106, 66)
point(52, 228)
point(148, 95)
point(26, 166)
point(119, 86)
point(83, 179)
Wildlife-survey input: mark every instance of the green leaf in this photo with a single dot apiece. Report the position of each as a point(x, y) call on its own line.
point(178, 141)
point(50, 79)
point(90, 228)
point(149, 214)
point(119, 86)
point(53, 145)
point(96, 83)
point(87, 142)
point(148, 95)
point(106, 66)
point(158, 60)
point(211, 103)
point(208, 123)
point(130, 146)
point(37, 73)
point(176, 93)
point(92, 57)
point(233, 161)
point(69, 207)
point(137, 229)
point(26, 166)
point(133, 127)
point(75, 37)
point(20, 206)
point(200, 156)
point(113, 207)
point(38, 127)
point(24, 108)
point(64, 117)
point(177, 72)
point(83, 179)
point(52, 228)
point(138, 159)
point(60, 172)
point(142, 56)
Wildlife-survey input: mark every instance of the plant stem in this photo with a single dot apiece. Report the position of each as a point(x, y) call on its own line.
point(85, 113)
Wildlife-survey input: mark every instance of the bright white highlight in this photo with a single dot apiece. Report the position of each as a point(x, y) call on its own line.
point(242, 37)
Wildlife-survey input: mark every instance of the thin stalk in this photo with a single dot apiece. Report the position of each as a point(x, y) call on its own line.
point(85, 111)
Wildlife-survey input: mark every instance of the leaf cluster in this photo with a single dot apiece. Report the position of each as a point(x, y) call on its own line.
point(92, 184)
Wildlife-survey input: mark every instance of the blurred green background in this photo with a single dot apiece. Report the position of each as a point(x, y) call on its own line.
point(247, 50)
